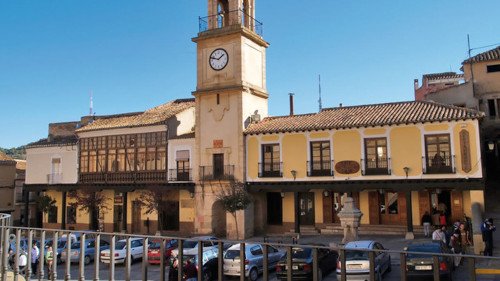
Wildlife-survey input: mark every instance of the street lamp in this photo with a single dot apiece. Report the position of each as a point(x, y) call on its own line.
point(491, 145)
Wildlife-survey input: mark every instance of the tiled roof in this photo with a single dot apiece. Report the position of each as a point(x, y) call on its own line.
point(485, 56)
point(364, 116)
point(54, 141)
point(442, 75)
point(153, 116)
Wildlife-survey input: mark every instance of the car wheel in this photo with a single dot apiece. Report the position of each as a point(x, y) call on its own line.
point(253, 275)
point(86, 260)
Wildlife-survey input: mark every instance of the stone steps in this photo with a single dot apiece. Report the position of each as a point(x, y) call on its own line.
point(373, 229)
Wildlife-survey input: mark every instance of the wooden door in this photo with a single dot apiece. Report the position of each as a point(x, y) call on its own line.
point(218, 166)
point(374, 207)
point(136, 217)
point(328, 209)
point(457, 211)
point(306, 205)
point(424, 202)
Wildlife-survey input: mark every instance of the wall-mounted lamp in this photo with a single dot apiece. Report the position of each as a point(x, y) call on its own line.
point(381, 191)
point(406, 169)
point(191, 195)
point(326, 193)
point(282, 195)
point(294, 174)
point(438, 191)
point(491, 145)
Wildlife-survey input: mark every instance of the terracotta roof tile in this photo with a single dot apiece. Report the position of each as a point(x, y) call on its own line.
point(442, 75)
point(54, 141)
point(364, 116)
point(493, 54)
point(154, 116)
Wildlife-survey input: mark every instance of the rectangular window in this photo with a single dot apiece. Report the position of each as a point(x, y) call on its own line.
point(491, 108)
point(493, 68)
point(161, 159)
point(438, 154)
point(183, 165)
point(320, 164)
point(141, 159)
point(376, 162)
point(274, 208)
point(101, 161)
point(271, 165)
point(112, 162)
point(92, 161)
point(71, 214)
point(130, 160)
point(151, 159)
point(52, 215)
point(120, 159)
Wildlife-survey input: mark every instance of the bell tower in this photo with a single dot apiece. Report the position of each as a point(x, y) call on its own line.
point(230, 94)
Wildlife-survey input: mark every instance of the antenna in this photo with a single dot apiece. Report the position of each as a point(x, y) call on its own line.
point(319, 87)
point(91, 104)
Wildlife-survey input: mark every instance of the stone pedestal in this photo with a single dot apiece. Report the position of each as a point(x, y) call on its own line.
point(350, 217)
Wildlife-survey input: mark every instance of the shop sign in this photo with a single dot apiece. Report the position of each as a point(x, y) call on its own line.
point(347, 167)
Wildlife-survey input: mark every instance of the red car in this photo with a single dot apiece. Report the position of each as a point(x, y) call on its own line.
point(154, 251)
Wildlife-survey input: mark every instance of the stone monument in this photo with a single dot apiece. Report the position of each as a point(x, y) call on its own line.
point(350, 217)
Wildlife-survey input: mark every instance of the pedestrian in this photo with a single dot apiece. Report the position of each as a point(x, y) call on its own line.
point(456, 247)
point(35, 256)
point(426, 222)
point(442, 218)
point(190, 271)
point(487, 229)
point(49, 259)
point(464, 238)
point(439, 234)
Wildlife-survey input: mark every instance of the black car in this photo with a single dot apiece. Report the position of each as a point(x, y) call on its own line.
point(302, 264)
point(420, 266)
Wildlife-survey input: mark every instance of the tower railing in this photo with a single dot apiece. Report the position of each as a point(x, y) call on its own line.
point(231, 18)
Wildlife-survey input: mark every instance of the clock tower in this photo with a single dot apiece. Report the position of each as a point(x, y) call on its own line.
point(230, 94)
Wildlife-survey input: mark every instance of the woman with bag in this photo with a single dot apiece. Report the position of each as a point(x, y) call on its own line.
point(456, 247)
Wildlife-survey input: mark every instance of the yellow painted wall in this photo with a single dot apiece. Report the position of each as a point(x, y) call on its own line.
point(364, 207)
point(319, 135)
point(477, 196)
point(267, 138)
point(252, 157)
point(347, 146)
point(401, 138)
point(466, 203)
point(416, 215)
point(374, 131)
point(288, 208)
point(294, 155)
point(484, 82)
point(437, 127)
point(475, 158)
point(108, 214)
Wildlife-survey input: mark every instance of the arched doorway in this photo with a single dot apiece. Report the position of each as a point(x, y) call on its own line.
point(218, 219)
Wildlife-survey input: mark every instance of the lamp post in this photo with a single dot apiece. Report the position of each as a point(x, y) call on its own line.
point(409, 216)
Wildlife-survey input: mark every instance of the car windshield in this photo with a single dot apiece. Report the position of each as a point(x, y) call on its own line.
point(299, 253)
point(120, 245)
point(75, 245)
point(232, 254)
point(190, 244)
point(427, 248)
point(155, 245)
point(356, 255)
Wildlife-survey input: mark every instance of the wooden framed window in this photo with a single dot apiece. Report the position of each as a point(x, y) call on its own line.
point(101, 161)
point(52, 214)
point(120, 159)
point(271, 165)
point(438, 154)
point(376, 162)
point(161, 159)
point(151, 159)
point(321, 163)
point(112, 161)
point(141, 159)
point(130, 166)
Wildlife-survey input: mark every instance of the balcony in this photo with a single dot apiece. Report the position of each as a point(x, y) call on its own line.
point(271, 170)
point(231, 18)
point(125, 177)
point(55, 178)
point(439, 165)
point(373, 167)
point(319, 168)
point(179, 175)
point(209, 173)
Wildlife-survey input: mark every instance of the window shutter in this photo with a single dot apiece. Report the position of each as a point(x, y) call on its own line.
point(182, 155)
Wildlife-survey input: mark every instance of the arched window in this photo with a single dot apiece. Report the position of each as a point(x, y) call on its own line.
point(222, 13)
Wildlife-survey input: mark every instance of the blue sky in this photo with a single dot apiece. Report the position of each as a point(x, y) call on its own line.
point(134, 55)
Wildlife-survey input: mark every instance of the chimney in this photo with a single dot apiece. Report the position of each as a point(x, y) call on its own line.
point(340, 104)
point(291, 103)
point(415, 84)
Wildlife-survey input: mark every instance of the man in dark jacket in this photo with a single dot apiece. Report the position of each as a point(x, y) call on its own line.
point(487, 229)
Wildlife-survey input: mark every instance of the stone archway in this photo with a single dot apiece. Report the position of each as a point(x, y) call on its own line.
point(218, 219)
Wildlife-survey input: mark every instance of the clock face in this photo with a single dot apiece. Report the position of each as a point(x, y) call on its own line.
point(218, 59)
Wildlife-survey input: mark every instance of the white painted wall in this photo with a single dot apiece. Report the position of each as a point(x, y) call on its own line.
point(39, 163)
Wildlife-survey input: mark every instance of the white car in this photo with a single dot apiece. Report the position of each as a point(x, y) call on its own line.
point(136, 251)
point(209, 243)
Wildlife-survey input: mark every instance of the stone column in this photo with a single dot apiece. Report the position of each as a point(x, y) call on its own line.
point(409, 217)
point(350, 217)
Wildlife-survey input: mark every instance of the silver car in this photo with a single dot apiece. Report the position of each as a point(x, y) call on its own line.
point(358, 262)
point(254, 259)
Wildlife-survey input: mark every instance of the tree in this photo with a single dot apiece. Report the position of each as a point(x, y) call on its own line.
point(233, 199)
point(152, 201)
point(45, 203)
point(91, 202)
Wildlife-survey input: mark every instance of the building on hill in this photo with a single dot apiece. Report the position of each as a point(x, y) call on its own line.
point(435, 82)
point(7, 183)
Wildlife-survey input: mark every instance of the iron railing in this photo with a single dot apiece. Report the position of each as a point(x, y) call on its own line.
point(55, 178)
point(381, 166)
point(208, 173)
point(271, 170)
point(319, 168)
point(439, 164)
point(108, 272)
point(231, 18)
point(124, 177)
point(179, 175)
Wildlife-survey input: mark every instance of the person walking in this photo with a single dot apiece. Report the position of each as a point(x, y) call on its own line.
point(426, 222)
point(456, 247)
point(442, 218)
point(190, 271)
point(464, 238)
point(439, 234)
point(487, 229)
point(35, 257)
point(49, 259)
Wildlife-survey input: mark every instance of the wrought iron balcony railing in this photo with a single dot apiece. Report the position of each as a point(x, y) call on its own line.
point(124, 177)
point(55, 178)
point(381, 166)
point(231, 18)
point(179, 175)
point(271, 170)
point(439, 164)
point(208, 173)
point(319, 168)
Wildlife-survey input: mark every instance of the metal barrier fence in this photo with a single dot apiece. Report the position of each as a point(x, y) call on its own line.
point(30, 235)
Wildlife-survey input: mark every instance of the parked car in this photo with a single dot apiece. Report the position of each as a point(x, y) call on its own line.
point(358, 262)
point(254, 258)
point(155, 248)
point(136, 249)
point(302, 264)
point(421, 265)
point(89, 251)
point(208, 243)
point(61, 245)
point(209, 262)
